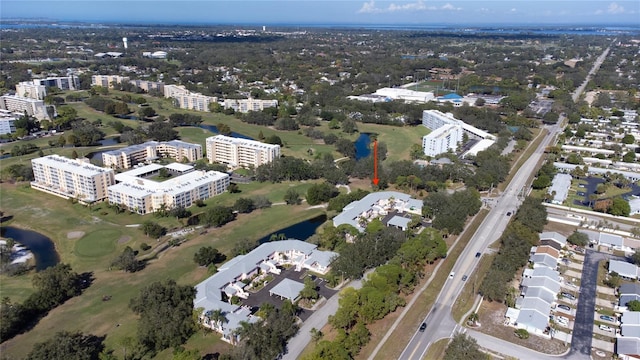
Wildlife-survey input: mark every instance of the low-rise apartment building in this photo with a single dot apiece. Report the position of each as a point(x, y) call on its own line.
point(107, 81)
point(236, 152)
point(70, 82)
point(151, 150)
point(7, 122)
point(69, 178)
point(141, 195)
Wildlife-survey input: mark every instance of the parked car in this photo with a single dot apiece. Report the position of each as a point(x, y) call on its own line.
point(606, 328)
point(564, 307)
point(568, 296)
point(423, 327)
point(607, 318)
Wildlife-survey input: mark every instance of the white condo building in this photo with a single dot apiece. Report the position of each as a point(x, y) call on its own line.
point(19, 104)
point(148, 85)
point(447, 132)
point(236, 152)
point(194, 101)
point(442, 140)
point(142, 195)
point(246, 105)
point(30, 90)
point(107, 81)
point(175, 90)
point(69, 178)
point(7, 120)
point(70, 82)
point(151, 150)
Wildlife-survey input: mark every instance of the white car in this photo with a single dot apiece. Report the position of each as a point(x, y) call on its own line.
point(606, 328)
point(451, 275)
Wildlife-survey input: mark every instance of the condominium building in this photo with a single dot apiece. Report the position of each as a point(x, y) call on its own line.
point(7, 120)
point(434, 119)
point(148, 85)
point(135, 191)
point(69, 178)
point(30, 90)
point(193, 101)
point(70, 82)
point(32, 107)
point(236, 152)
point(442, 140)
point(175, 90)
point(151, 150)
point(246, 105)
point(107, 81)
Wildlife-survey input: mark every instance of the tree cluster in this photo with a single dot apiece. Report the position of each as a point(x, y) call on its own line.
point(127, 261)
point(166, 314)
point(450, 211)
point(108, 106)
point(177, 119)
point(208, 255)
point(53, 286)
point(66, 345)
point(217, 216)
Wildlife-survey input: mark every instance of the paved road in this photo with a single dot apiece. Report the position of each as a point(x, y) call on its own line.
point(317, 320)
point(440, 324)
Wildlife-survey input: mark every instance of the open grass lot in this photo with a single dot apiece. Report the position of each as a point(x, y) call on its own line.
point(437, 349)
point(398, 139)
point(105, 235)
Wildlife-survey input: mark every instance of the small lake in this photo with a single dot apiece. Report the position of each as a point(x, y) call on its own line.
point(214, 129)
point(301, 231)
point(41, 246)
point(362, 146)
point(109, 141)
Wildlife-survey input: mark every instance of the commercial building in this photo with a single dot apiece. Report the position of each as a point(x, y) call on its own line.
point(107, 81)
point(19, 104)
point(235, 277)
point(246, 105)
point(136, 192)
point(151, 150)
point(70, 82)
point(442, 140)
point(236, 152)
point(69, 178)
point(7, 120)
point(30, 90)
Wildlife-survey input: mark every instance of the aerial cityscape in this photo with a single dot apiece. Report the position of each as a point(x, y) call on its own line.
point(319, 180)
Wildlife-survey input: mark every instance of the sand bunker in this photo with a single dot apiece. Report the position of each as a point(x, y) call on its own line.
point(75, 234)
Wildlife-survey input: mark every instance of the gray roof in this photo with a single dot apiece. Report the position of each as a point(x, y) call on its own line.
point(631, 318)
point(399, 221)
point(542, 272)
point(544, 282)
point(351, 212)
point(625, 299)
point(541, 293)
point(533, 318)
point(623, 269)
point(552, 235)
point(628, 346)
point(544, 260)
point(560, 185)
point(610, 239)
point(534, 303)
point(629, 288)
point(630, 330)
point(287, 289)
point(322, 258)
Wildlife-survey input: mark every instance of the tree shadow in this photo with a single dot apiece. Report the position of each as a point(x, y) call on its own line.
point(86, 279)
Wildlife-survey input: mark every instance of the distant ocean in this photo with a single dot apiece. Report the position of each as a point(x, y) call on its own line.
point(497, 29)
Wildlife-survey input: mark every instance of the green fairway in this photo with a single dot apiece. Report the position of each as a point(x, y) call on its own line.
point(98, 243)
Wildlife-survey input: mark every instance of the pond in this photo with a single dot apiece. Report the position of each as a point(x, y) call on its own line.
point(362, 146)
point(41, 246)
point(301, 231)
point(109, 141)
point(214, 129)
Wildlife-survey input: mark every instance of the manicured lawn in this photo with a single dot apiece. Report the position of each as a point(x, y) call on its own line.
point(398, 139)
point(98, 243)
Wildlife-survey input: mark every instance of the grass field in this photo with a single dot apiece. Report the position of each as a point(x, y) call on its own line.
point(437, 349)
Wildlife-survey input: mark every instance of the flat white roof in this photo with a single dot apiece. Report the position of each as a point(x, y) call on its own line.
point(76, 166)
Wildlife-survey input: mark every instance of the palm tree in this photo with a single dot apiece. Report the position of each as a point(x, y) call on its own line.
point(473, 319)
point(217, 317)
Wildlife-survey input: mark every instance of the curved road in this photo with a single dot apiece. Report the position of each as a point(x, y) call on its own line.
point(440, 323)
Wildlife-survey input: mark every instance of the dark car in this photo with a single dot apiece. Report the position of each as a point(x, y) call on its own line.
point(564, 307)
point(478, 254)
point(464, 278)
point(509, 213)
point(423, 327)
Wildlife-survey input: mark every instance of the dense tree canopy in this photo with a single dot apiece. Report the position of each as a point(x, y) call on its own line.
point(68, 346)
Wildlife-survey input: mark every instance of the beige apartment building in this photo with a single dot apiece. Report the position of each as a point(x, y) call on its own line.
point(136, 192)
point(236, 152)
point(126, 158)
point(193, 101)
point(246, 105)
point(69, 178)
point(107, 81)
point(30, 90)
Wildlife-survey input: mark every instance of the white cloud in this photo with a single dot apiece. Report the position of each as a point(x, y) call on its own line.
point(371, 8)
point(513, 10)
point(614, 8)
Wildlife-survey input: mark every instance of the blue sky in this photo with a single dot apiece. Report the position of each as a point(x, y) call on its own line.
point(416, 12)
